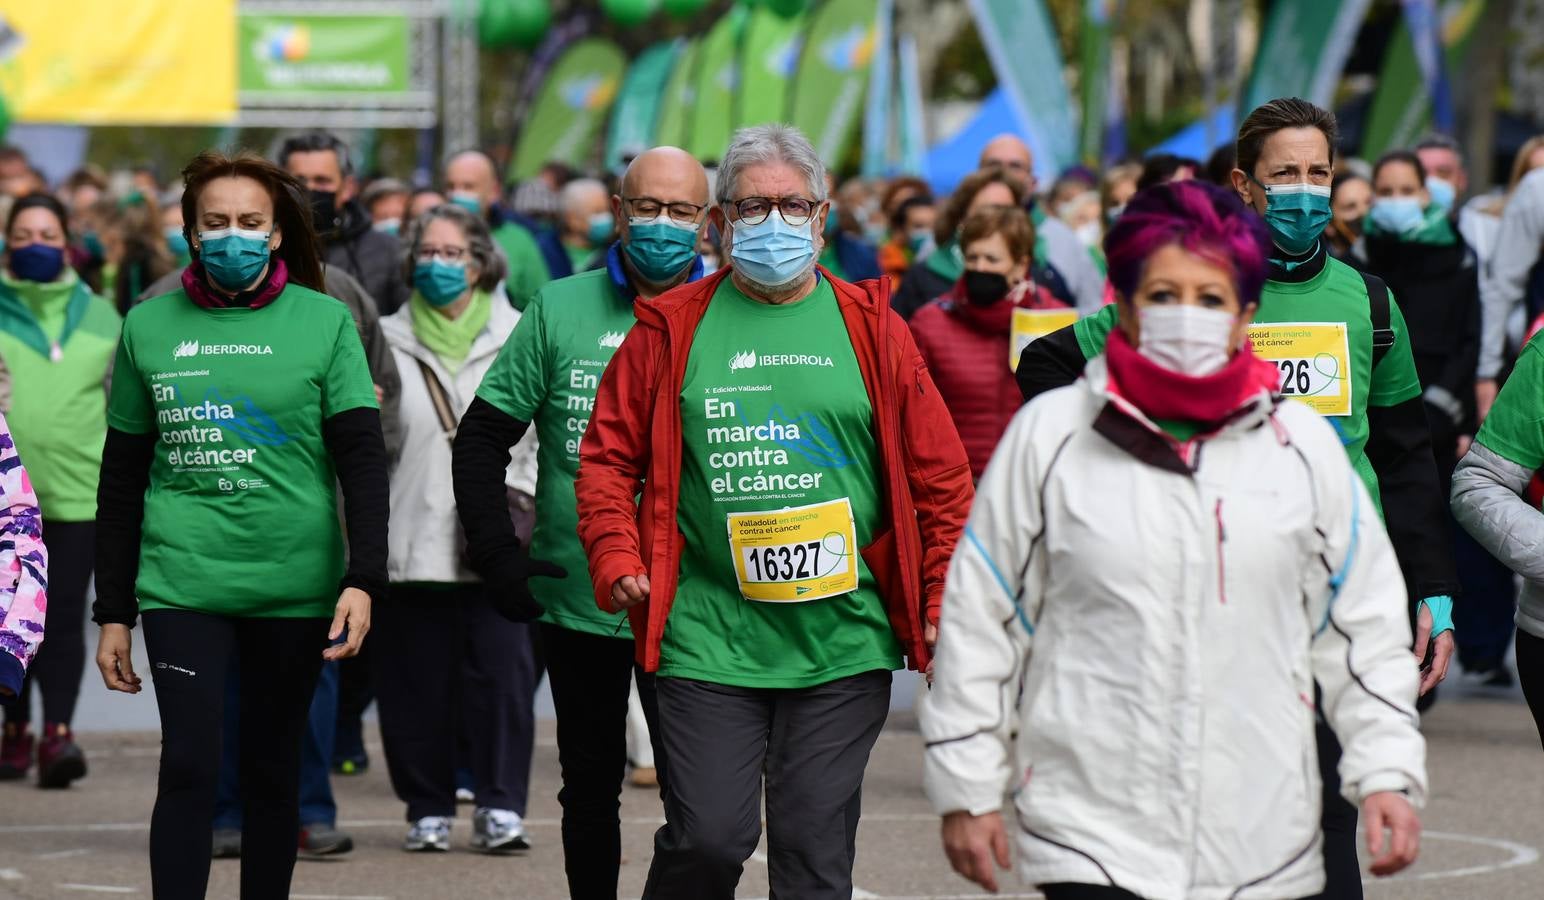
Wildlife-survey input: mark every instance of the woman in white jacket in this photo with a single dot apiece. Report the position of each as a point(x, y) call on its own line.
point(1162, 561)
point(446, 663)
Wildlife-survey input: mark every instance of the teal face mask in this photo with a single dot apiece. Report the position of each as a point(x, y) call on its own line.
point(233, 257)
point(1296, 214)
point(177, 243)
point(602, 227)
point(469, 202)
point(659, 248)
point(440, 282)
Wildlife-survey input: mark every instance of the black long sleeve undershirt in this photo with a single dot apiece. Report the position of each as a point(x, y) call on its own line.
point(125, 476)
point(479, 459)
point(1054, 361)
point(1414, 508)
point(353, 439)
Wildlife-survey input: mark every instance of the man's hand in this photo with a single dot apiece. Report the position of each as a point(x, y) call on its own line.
point(974, 843)
point(1442, 653)
point(1485, 391)
point(1392, 811)
point(352, 618)
point(114, 651)
point(629, 591)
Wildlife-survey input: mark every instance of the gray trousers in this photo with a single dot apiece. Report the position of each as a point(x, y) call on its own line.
point(810, 744)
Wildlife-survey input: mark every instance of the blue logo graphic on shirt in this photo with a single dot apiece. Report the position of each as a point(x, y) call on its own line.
point(816, 443)
point(248, 420)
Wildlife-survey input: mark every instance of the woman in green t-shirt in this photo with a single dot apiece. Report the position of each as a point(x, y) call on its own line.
point(239, 405)
point(58, 340)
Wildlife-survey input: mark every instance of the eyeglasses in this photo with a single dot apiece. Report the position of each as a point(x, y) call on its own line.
point(754, 210)
point(681, 212)
point(449, 254)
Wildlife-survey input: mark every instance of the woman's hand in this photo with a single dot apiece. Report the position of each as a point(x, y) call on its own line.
point(352, 617)
point(973, 843)
point(1392, 811)
point(114, 651)
point(930, 636)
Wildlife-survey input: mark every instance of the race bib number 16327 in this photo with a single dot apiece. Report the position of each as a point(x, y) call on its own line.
point(796, 554)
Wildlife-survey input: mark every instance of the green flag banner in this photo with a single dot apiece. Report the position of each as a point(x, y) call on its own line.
point(1303, 50)
point(718, 77)
point(675, 112)
point(1021, 41)
point(768, 58)
point(832, 78)
point(637, 108)
point(1094, 78)
point(1402, 109)
point(571, 108)
point(285, 56)
point(881, 96)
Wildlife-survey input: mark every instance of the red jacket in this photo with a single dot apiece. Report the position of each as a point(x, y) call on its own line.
point(966, 349)
point(633, 445)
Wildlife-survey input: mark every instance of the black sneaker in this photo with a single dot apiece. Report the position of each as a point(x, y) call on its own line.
point(227, 843)
point(324, 840)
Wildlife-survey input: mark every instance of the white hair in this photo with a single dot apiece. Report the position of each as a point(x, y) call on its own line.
point(774, 143)
point(579, 192)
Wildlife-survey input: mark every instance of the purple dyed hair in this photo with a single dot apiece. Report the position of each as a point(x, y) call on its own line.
point(1202, 219)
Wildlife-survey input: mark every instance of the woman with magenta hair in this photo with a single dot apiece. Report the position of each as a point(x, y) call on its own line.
point(1162, 561)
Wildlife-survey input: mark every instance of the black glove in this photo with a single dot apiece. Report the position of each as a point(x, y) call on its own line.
point(510, 593)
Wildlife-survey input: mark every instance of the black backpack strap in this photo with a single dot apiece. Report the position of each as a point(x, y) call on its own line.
point(1383, 336)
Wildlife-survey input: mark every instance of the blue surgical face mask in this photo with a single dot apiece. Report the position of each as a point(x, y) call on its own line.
point(659, 248)
point(467, 201)
point(1397, 215)
point(37, 262)
point(388, 226)
point(773, 253)
point(233, 257)
point(1296, 214)
point(1443, 194)
point(440, 282)
point(602, 227)
point(176, 242)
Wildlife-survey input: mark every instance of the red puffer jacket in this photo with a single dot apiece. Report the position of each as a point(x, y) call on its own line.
point(633, 446)
point(966, 348)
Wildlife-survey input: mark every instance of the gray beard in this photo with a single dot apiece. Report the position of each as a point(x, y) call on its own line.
point(775, 290)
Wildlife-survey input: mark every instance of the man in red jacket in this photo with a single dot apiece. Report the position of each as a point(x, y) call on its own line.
point(802, 491)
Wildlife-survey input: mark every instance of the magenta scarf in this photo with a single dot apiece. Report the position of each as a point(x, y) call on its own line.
point(195, 283)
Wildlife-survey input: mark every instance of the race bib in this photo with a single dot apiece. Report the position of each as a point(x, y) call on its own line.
point(1030, 325)
point(1314, 359)
point(797, 554)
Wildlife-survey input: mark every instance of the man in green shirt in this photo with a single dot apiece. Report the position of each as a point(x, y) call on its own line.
point(547, 376)
point(1341, 345)
point(471, 182)
point(586, 220)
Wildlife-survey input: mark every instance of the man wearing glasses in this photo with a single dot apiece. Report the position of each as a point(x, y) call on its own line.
point(802, 491)
point(547, 375)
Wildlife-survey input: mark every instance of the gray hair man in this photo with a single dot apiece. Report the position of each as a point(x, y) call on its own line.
point(588, 224)
point(546, 376)
point(803, 489)
point(321, 161)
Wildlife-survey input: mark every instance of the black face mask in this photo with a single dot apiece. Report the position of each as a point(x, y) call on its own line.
point(985, 288)
point(1356, 225)
point(324, 210)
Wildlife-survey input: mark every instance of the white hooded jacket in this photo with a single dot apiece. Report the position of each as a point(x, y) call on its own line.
point(1131, 633)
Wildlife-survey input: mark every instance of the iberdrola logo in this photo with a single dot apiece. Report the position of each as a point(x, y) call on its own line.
point(185, 350)
point(611, 340)
point(743, 360)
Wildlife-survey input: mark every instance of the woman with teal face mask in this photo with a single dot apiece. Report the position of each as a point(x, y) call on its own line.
point(463, 654)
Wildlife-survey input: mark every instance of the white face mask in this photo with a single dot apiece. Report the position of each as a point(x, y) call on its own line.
point(1089, 233)
point(1191, 340)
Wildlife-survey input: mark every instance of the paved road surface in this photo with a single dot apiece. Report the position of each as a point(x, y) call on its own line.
point(1485, 827)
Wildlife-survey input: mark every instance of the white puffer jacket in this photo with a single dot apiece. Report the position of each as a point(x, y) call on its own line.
point(425, 536)
point(1130, 638)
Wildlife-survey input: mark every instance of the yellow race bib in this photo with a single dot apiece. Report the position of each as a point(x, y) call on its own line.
point(1314, 359)
point(1030, 325)
point(796, 554)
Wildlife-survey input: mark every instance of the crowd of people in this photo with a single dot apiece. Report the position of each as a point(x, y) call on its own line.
point(1151, 472)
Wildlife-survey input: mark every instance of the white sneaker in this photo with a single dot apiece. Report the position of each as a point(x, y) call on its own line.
point(465, 795)
point(498, 830)
point(430, 834)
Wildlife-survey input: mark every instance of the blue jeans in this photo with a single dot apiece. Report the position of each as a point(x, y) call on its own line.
point(1483, 617)
point(317, 806)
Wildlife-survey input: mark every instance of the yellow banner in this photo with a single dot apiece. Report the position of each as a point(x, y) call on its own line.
point(119, 62)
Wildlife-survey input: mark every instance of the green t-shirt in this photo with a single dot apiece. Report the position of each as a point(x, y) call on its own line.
point(547, 374)
point(774, 415)
point(527, 268)
point(58, 413)
point(1515, 427)
point(241, 516)
point(1334, 293)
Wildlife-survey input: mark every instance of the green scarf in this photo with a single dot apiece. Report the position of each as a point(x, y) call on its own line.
point(1435, 228)
point(450, 339)
point(43, 316)
point(947, 262)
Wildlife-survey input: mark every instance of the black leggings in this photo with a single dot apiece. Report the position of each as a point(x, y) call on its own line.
point(279, 660)
point(1530, 672)
point(61, 660)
